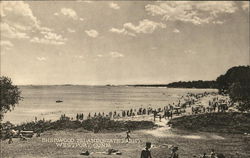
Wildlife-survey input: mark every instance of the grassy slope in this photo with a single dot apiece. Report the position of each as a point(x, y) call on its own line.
point(229, 145)
point(214, 122)
point(187, 147)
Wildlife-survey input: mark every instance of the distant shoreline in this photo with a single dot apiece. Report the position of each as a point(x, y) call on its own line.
point(139, 85)
point(166, 86)
point(199, 84)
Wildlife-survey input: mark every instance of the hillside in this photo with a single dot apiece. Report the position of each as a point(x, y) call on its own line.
point(214, 122)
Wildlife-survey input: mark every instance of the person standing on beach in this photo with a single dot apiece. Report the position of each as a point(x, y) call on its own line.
point(128, 135)
point(165, 114)
point(168, 114)
point(155, 113)
point(145, 153)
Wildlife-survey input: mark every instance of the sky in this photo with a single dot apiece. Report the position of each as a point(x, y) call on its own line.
point(121, 42)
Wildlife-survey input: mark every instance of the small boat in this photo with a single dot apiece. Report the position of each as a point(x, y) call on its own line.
point(59, 101)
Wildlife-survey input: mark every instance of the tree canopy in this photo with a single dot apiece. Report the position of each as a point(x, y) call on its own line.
point(193, 84)
point(9, 97)
point(236, 83)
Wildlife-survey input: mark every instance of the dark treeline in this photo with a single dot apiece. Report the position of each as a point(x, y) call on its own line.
point(236, 83)
point(182, 84)
point(193, 84)
point(236, 75)
point(149, 85)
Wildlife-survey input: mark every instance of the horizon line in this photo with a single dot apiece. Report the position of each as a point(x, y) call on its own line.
point(108, 84)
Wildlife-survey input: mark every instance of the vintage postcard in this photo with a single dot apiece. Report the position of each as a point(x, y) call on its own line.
point(125, 79)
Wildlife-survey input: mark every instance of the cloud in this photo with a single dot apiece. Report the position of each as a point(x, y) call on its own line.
point(19, 22)
point(114, 6)
point(20, 12)
point(191, 12)
point(116, 55)
point(92, 33)
point(245, 5)
point(69, 13)
point(12, 31)
point(41, 58)
point(176, 31)
point(121, 31)
point(6, 45)
point(16, 19)
point(71, 30)
point(46, 41)
point(49, 38)
point(145, 26)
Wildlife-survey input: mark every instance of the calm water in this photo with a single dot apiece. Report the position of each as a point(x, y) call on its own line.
point(40, 101)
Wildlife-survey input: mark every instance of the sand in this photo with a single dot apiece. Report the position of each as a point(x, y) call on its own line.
point(162, 137)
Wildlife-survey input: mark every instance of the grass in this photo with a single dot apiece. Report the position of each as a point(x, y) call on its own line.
point(235, 123)
point(229, 146)
point(229, 126)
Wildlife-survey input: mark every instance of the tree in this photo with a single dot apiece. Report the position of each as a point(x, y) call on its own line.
point(10, 95)
point(240, 92)
point(240, 74)
point(236, 83)
point(193, 84)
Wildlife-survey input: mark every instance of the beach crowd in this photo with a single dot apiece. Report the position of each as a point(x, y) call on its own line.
point(187, 105)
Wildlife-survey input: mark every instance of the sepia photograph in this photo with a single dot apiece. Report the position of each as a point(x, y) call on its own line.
point(124, 79)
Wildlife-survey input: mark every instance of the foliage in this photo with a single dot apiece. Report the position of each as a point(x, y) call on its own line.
point(239, 74)
point(193, 84)
point(9, 97)
point(240, 93)
point(96, 124)
point(236, 83)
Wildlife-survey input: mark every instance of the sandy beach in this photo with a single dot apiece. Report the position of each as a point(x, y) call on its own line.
point(163, 137)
